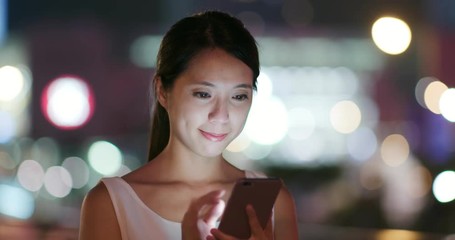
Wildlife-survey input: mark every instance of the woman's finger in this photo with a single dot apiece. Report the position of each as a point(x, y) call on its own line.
point(255, 226)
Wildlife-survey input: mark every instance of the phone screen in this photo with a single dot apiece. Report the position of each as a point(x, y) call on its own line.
point(261, 193)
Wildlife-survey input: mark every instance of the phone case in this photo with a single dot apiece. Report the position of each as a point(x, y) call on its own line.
point(261, 193)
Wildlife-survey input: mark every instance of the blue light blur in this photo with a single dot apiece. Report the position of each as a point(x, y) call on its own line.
point(3, 20)
point(16, 202)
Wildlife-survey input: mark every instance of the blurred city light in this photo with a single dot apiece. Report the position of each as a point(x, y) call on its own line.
point(362, 144)
point(395, 150)
point(265, 113)
point(239, 144)
point(104, 157)
point(433, 94)
point(391, 35)
point(443, 186)
point(16, 202)
point(421, 87)
point(57, 181)
point(144, 49)
point(301, 123)
point(7, 128)
point(68, 102)
point(30, 175)
point(3, 21)
point(447, 104)
point(12, 83)
point(420, 184)
point(79, 171)
point(345, 116)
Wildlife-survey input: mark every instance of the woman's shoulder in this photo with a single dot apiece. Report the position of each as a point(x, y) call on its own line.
point(97, 195)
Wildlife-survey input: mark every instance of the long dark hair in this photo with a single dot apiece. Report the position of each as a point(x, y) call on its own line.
point(184, 40)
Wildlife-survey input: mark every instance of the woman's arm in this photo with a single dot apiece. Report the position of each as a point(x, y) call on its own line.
point(285, 217)
point(98, 219)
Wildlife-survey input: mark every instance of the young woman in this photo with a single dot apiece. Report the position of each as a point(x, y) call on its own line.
point(206, 73)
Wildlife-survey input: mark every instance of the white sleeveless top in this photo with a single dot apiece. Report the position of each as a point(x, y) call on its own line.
point(136, 220)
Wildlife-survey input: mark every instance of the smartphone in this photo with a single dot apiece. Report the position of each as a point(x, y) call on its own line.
point(261, 193)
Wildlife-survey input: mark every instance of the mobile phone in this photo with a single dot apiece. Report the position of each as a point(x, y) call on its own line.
point(261, 193)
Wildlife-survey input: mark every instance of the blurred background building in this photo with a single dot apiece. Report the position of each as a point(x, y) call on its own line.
point(355, 109)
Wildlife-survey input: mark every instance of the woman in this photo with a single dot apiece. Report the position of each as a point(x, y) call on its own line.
point(206, 73)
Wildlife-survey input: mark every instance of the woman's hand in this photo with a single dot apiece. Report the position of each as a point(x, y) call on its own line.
point(257, 233)
point(202, 215)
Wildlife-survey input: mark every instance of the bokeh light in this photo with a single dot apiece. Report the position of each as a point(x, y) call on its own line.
point(144, 49)
point(433, 94)
point(443, 186)
point(104, 157)
point(78, 170)
point(302, 123)
point(447, 104)
point(57, 181)
point(239, 144)
point(420, 89)
point(362, 144)
point(395, 150)
point(7, 127)
point(345, 116)
point(397, 234)
point(265, 113)
point(420, 184)
point(30, 175)
point(11, 83)
point(16, 202)
point(391, 35)
point(68, 102)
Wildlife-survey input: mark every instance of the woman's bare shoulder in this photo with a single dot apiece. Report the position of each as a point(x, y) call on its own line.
point(98, 218)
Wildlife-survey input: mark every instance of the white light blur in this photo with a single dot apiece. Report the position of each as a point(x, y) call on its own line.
point(67, 102)
point(267, 122)
point(391, 35)
point(239, 144)
point(257, 152)
point(395, 150)
point(78, 170)
point(57, 181)
point(11, 83)
point(303, 151)
point(345, 116)
point(447, 104)
point(30, 175)
point(433, 94)
point(301, 123)
point(420, 89)
point(443, 186)
point(264, 86)
point(104, 157)
point(143, 51)
point(16, 202)
point(362, 144)
point(7, 127)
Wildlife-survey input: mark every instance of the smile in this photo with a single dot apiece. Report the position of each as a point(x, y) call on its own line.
point(213, 136)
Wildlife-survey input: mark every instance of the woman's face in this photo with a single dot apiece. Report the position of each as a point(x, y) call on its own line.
point(209, 102)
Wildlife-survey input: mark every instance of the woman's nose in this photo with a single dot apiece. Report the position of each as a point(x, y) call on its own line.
point(219, 112)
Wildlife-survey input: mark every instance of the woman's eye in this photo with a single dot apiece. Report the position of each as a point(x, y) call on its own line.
point(241, 97)
point(201, 94)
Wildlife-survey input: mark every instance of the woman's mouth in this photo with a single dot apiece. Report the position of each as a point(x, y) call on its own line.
point(214, 137)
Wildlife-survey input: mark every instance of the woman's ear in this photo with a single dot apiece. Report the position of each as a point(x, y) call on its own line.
point(161, 93)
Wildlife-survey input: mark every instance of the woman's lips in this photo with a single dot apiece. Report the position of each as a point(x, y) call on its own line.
point(214, 136)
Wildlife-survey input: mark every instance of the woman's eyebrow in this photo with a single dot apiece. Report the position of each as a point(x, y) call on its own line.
point(209, 84)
